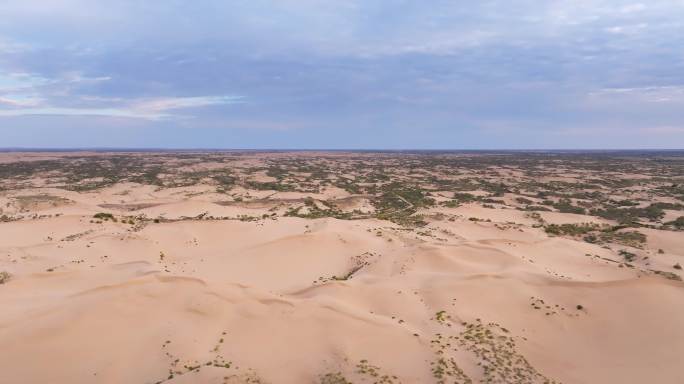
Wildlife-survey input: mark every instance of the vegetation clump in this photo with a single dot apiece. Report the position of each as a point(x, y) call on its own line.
point(571, 229)
point(598, 234)
point(313, 211)
point(678, 223)
point(270, 186)
point(334, 378)
point(631, 215)
point(629, 238)
point(4, 277)
point(566, 206)
point(500, 361)
point(629, 256)
point(104, 216)
point(399, 203)
point(367, 369)
point(668, 275)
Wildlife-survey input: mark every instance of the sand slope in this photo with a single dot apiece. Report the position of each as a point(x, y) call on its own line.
point(109, 319)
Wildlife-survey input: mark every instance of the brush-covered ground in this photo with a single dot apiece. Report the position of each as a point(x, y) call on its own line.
point(334, 268)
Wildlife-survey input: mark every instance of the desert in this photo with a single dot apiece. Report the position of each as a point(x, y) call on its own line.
point(341, 267)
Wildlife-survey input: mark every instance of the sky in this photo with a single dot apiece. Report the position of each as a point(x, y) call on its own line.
point(345, 74)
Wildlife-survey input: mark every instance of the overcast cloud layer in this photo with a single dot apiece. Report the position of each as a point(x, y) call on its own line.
point(342, 74)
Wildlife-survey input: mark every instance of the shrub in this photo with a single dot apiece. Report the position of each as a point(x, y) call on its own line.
point(630, 238)
point(464, 197)
point(4, 277)
point(624, 203)
point(677, 223)
point(591, 238)
point(104, 216)
point(668, 275)
point(570, 229)
point(536, 208)
point(334, 378)
point(398, 203)
point(630, 215)
point(270, 186)
point(629, 256)
point(565, 206)
point(523, 200)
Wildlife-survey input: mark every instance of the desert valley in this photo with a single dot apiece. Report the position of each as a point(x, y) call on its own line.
point(341, 267)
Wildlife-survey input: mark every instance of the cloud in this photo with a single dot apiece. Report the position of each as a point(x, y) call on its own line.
point(19, 101)
point(664, 130)
point(651, 94)
point(25, 94)
point(20, 81)
point(632, 8)
point(148, 109)
point(171, 103)
point(627, 29)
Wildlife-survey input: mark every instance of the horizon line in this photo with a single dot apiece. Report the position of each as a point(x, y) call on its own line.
point(208, 149)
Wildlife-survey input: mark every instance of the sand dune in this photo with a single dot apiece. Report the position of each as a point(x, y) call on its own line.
point(303, 300)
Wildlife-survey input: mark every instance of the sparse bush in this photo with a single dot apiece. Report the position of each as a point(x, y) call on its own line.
point(270, 186)
point(570, 229)
point(565, 206)
point(668, 275)
point(629, 256)
point(677, 223)
point(464, 197)
point(104, 216)
point(591, 239)
point(536, 208)
point(624, 203)
point(523, 200)
point(630, 215)
point(334, 378)
point(4, 277)
point(629, 238)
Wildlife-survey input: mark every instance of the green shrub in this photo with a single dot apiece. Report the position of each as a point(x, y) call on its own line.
point(565, 206)
point(104, 216)
point(629, 256)
point(334, 378)
point(630, 215)
point(523, 200)
point(677, 223)
point(570, 229)
point(464, 197)
point(631, 238)
point(535, 208)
